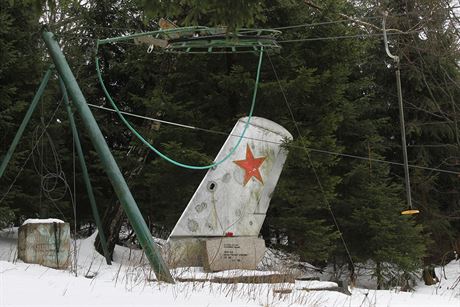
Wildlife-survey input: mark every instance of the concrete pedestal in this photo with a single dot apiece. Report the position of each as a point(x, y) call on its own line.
point(184, 252)
point(45, 242)
point(215, 254)
point(229, 253)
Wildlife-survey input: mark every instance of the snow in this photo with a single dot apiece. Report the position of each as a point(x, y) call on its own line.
point(42, 221)
point(130, 282)
point(449, 282)
point(314, 284)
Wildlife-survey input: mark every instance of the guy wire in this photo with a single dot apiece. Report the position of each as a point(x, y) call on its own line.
point(313, 166)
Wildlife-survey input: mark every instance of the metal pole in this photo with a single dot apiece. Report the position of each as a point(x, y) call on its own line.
point(84, 170)
point(25, 121)
point(116, 178)
point(401, 114)
point(403, 137)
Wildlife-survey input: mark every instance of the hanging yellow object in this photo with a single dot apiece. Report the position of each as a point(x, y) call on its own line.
point(410, 212)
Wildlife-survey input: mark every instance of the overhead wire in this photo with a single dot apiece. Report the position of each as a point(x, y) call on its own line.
point(323, 23)
point(310, 39)
point(322, 151)
point(350, 19)
point(31, 153)
point(321, 38)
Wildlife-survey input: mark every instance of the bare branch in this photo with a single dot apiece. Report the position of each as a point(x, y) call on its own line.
point(355, 20)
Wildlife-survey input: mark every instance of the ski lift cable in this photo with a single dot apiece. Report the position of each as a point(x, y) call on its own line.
point(345, 20)
point(324, 38)
point(307, 39)
point(321, 151)
point(323, 23)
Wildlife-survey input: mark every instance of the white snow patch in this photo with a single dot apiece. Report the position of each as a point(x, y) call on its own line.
point(42, 221)
point(314, 284)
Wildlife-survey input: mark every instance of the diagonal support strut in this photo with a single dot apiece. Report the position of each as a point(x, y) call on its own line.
point(26, 120)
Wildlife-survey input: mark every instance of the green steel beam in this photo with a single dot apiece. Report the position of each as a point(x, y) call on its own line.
point(25, 121)
point(116, 178)
point(84, 169)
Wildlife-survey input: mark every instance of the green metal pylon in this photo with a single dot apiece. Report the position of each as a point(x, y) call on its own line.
point(25, 121)
point(116, 178)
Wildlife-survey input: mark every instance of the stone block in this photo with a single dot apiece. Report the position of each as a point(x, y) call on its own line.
point(184, 252)
point(230, 253)
point(45, 242)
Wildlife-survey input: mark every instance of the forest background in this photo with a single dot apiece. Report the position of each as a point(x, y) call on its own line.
point(332, 71)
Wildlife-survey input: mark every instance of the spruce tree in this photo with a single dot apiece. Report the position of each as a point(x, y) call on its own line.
point(21, 69)
point(315, 78)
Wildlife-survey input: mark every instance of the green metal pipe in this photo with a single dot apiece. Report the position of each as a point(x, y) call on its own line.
point(26, 119)
point(133, 36)
point(84, 169)
point(401, 112)
point(116, 178)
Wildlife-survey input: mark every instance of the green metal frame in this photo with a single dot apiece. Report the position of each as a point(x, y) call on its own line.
point(201, 39)
point(116, 178)
point(163, 34)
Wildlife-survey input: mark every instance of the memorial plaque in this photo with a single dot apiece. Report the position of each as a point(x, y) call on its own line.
point(229, 253)
point(45, 242)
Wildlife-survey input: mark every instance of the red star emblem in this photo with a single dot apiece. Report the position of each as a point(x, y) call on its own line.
point(251, 166)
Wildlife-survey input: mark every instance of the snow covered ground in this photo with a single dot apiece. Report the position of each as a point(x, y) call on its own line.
point(129, 282)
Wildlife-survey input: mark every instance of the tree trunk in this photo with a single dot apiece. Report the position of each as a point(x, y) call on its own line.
point(111, 225)
point(353, 277)
point(378, 273)
point(114, 215)
point(429, 276)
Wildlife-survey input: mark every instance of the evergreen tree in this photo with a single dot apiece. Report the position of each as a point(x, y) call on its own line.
point(315, 79)
point(231, 13)
point(20, 72)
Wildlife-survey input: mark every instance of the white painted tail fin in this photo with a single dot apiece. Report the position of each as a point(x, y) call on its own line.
point(233, 198)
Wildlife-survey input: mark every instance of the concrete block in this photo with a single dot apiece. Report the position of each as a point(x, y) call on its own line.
point(231, 253)
point(45, 242)
point(184, 252)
